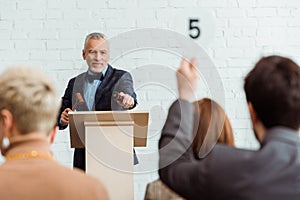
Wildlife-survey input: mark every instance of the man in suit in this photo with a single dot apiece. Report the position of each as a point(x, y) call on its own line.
point(101, 88)
point(273, 172)
point(28, 113)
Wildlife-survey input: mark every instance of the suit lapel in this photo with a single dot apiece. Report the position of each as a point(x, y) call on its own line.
point(104, 83)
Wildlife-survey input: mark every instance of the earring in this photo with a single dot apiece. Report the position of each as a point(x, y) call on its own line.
point(5, 143)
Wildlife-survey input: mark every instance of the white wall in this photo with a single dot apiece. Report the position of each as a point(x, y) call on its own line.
point(50, 33)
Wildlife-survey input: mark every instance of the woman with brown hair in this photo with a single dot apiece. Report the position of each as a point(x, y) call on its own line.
point(211, 126)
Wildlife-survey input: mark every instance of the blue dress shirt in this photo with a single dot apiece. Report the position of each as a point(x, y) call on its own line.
point(90, 89)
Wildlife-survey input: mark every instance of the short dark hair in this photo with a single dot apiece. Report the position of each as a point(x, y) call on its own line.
point(273, 88)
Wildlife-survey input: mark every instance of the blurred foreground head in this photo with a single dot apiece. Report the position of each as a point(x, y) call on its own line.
point(30, 97)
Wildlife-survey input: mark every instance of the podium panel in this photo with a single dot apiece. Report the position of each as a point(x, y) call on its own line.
point(113, 162)
point(109, 138)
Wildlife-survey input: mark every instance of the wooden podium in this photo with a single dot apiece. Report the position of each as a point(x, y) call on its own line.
point(109, 137)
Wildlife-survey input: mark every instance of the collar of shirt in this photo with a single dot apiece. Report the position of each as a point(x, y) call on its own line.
point(90, 89)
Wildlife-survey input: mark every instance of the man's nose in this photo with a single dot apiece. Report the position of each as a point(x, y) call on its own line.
point(98, 56)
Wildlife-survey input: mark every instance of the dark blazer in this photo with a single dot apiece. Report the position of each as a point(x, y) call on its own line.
point(114, 80)
point(272, 172)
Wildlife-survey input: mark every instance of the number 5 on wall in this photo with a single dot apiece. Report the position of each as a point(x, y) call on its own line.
point(196, 24)
point(194, 28)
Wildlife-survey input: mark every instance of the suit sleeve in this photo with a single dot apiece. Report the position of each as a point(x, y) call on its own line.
point(125, 85)
point(66, 102)
point(177, 167)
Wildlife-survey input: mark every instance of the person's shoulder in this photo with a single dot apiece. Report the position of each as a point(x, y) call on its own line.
point(85, 177)
point(77, 78)
point(221, 149)
point(117, 70)
point(78, 175)
point(92, 184)
point(225, 155)
point(87, 183)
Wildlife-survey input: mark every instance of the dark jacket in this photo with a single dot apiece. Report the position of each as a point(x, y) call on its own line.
point(272, 172)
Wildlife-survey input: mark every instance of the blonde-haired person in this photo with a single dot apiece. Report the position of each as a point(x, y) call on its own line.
point(211, 125)
point(28, 111)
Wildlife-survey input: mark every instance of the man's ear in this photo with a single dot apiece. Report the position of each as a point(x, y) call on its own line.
point(52, 134)
point(83, 54)
point(7, 119)
point(252, 112)
point(258, 126)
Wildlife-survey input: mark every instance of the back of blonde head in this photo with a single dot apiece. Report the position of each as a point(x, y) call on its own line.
point(31, 98)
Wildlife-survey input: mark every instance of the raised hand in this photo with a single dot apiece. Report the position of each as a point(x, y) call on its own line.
point(187, 79)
